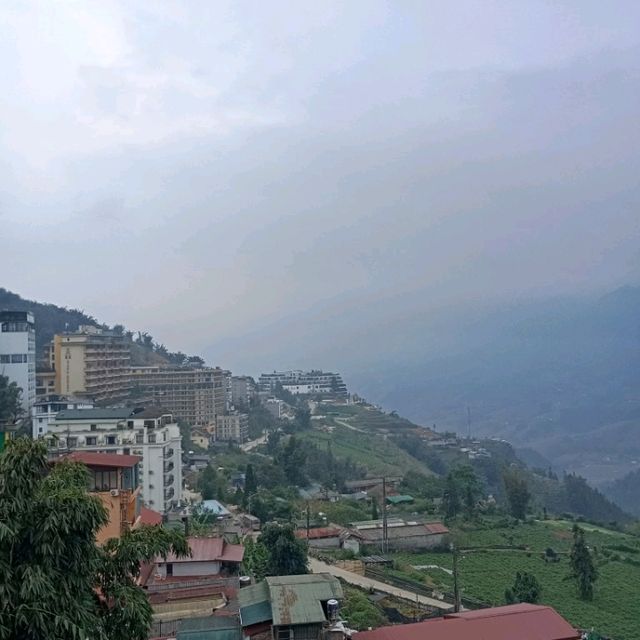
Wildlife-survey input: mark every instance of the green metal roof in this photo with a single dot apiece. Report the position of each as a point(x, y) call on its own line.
point(209, 628)
point(297, 599)
point(255, 605)
point(399, 499)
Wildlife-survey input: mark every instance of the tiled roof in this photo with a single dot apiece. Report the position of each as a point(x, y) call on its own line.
point(94, 459)
point(513, 622)
point(436, 527)
point(318, 533)
point(209, 550)
point(149, 516)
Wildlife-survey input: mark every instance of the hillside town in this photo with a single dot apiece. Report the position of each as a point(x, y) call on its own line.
point(230, 463)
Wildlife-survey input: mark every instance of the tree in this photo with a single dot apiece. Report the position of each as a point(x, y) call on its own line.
point(293, 458)
point(250, 482)
point(287, 554)
point(56, 582)
point(210, 484)
point(10, 401)
point(526, 588)
point(256, 559)
point(584, 571)
point(374, 509)
point(517, 491)
point(462, 491)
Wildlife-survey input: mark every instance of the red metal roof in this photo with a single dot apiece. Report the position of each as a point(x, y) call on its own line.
point(94, 459)
point(209, 550)
point(318, 532)
point(149, 516)
point(513, 622)
point(436, 527)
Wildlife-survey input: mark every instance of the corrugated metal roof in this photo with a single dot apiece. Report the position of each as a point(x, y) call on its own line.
point(297, 599)
point(318, 533)
point(209, 628)
point(95, 459)
point(209, 550)
point(514, 622)
point(399, 499)
point(436, 527)
point(254, 604)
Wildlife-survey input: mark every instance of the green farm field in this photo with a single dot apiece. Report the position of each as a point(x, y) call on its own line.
point(486, 573)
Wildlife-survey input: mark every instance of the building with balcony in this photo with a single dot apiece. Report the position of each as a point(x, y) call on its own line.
point(46, 408)
point(194, 395)
point(313, 382)
point(232, 428)
point(115, 480)
point(18, 353)
point(151, 434)
point(92, 363)
point(243, 390)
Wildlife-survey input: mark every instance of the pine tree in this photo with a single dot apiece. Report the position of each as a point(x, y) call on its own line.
point(517, 491)
point(374, 509)
point(287, 554)
point(526, 588)
point(250, 481)
point(584, 571)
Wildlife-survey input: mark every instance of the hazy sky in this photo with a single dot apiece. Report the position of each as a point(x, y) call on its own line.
point(202, 169)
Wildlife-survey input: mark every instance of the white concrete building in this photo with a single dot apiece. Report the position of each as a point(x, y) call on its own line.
point(45, 410)
point(150, 433)
point(234, 427)
point(314, 382)
point(18, 353)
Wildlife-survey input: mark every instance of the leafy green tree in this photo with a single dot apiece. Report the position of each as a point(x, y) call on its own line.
point(208, 483)
point(256, 559)
point(583, 570)
point(518, 494)
point(287, 554)
point(303, 419)
point(10, 401)
point(293, 458)
point(56, 583)
point(461, 492)
point(526, 588)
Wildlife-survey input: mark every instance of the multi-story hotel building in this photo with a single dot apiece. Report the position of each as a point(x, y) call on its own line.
point(18, 353)
point(93, 363)
point(305, 383)
point(151, 434)
point(233, 427)
point(195, 395)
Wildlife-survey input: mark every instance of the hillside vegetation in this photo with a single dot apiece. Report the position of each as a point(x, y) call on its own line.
point(494, 549)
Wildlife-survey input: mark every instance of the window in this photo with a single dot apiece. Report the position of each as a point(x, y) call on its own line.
point(103, 481)
point(152, 438)
point(18, 358)
point(72, 442)
point(5, 358)
point(169, 569)
point(93, 427)
point(91, 442)
point(111, 440)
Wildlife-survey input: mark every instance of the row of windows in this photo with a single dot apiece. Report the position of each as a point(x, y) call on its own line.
point(17, 358)
point(17, 327)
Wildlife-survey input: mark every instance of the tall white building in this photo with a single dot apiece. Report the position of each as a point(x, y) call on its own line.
point(150, 433)
point(18, 353)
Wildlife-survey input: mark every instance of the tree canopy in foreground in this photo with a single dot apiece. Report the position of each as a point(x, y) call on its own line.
point(55, 582)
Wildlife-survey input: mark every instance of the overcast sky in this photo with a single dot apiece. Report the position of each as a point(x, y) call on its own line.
point(201, 169)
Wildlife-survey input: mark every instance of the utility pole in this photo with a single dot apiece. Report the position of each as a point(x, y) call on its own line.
point(307, 521)
point(456, 586)
point(385, 537)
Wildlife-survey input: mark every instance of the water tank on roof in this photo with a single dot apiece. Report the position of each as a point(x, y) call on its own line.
point(245, 581)
point(332, 609)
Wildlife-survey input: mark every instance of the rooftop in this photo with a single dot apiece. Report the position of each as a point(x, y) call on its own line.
point(220, 627)
point(94, 414)
point(94, 459)
point(209, 550)
point(513, 622)
point(318, 533)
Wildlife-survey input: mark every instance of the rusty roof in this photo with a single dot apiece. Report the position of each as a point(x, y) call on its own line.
point(95, 459)
point(513, 622)
point(298, 599)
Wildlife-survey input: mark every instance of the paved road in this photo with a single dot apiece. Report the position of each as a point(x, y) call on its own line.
point(361, 581)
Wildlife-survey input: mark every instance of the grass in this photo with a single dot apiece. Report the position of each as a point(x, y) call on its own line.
point(378, 455)
point(486, 573)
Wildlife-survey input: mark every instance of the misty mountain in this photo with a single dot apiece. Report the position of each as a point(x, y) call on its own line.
point(557, 375)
